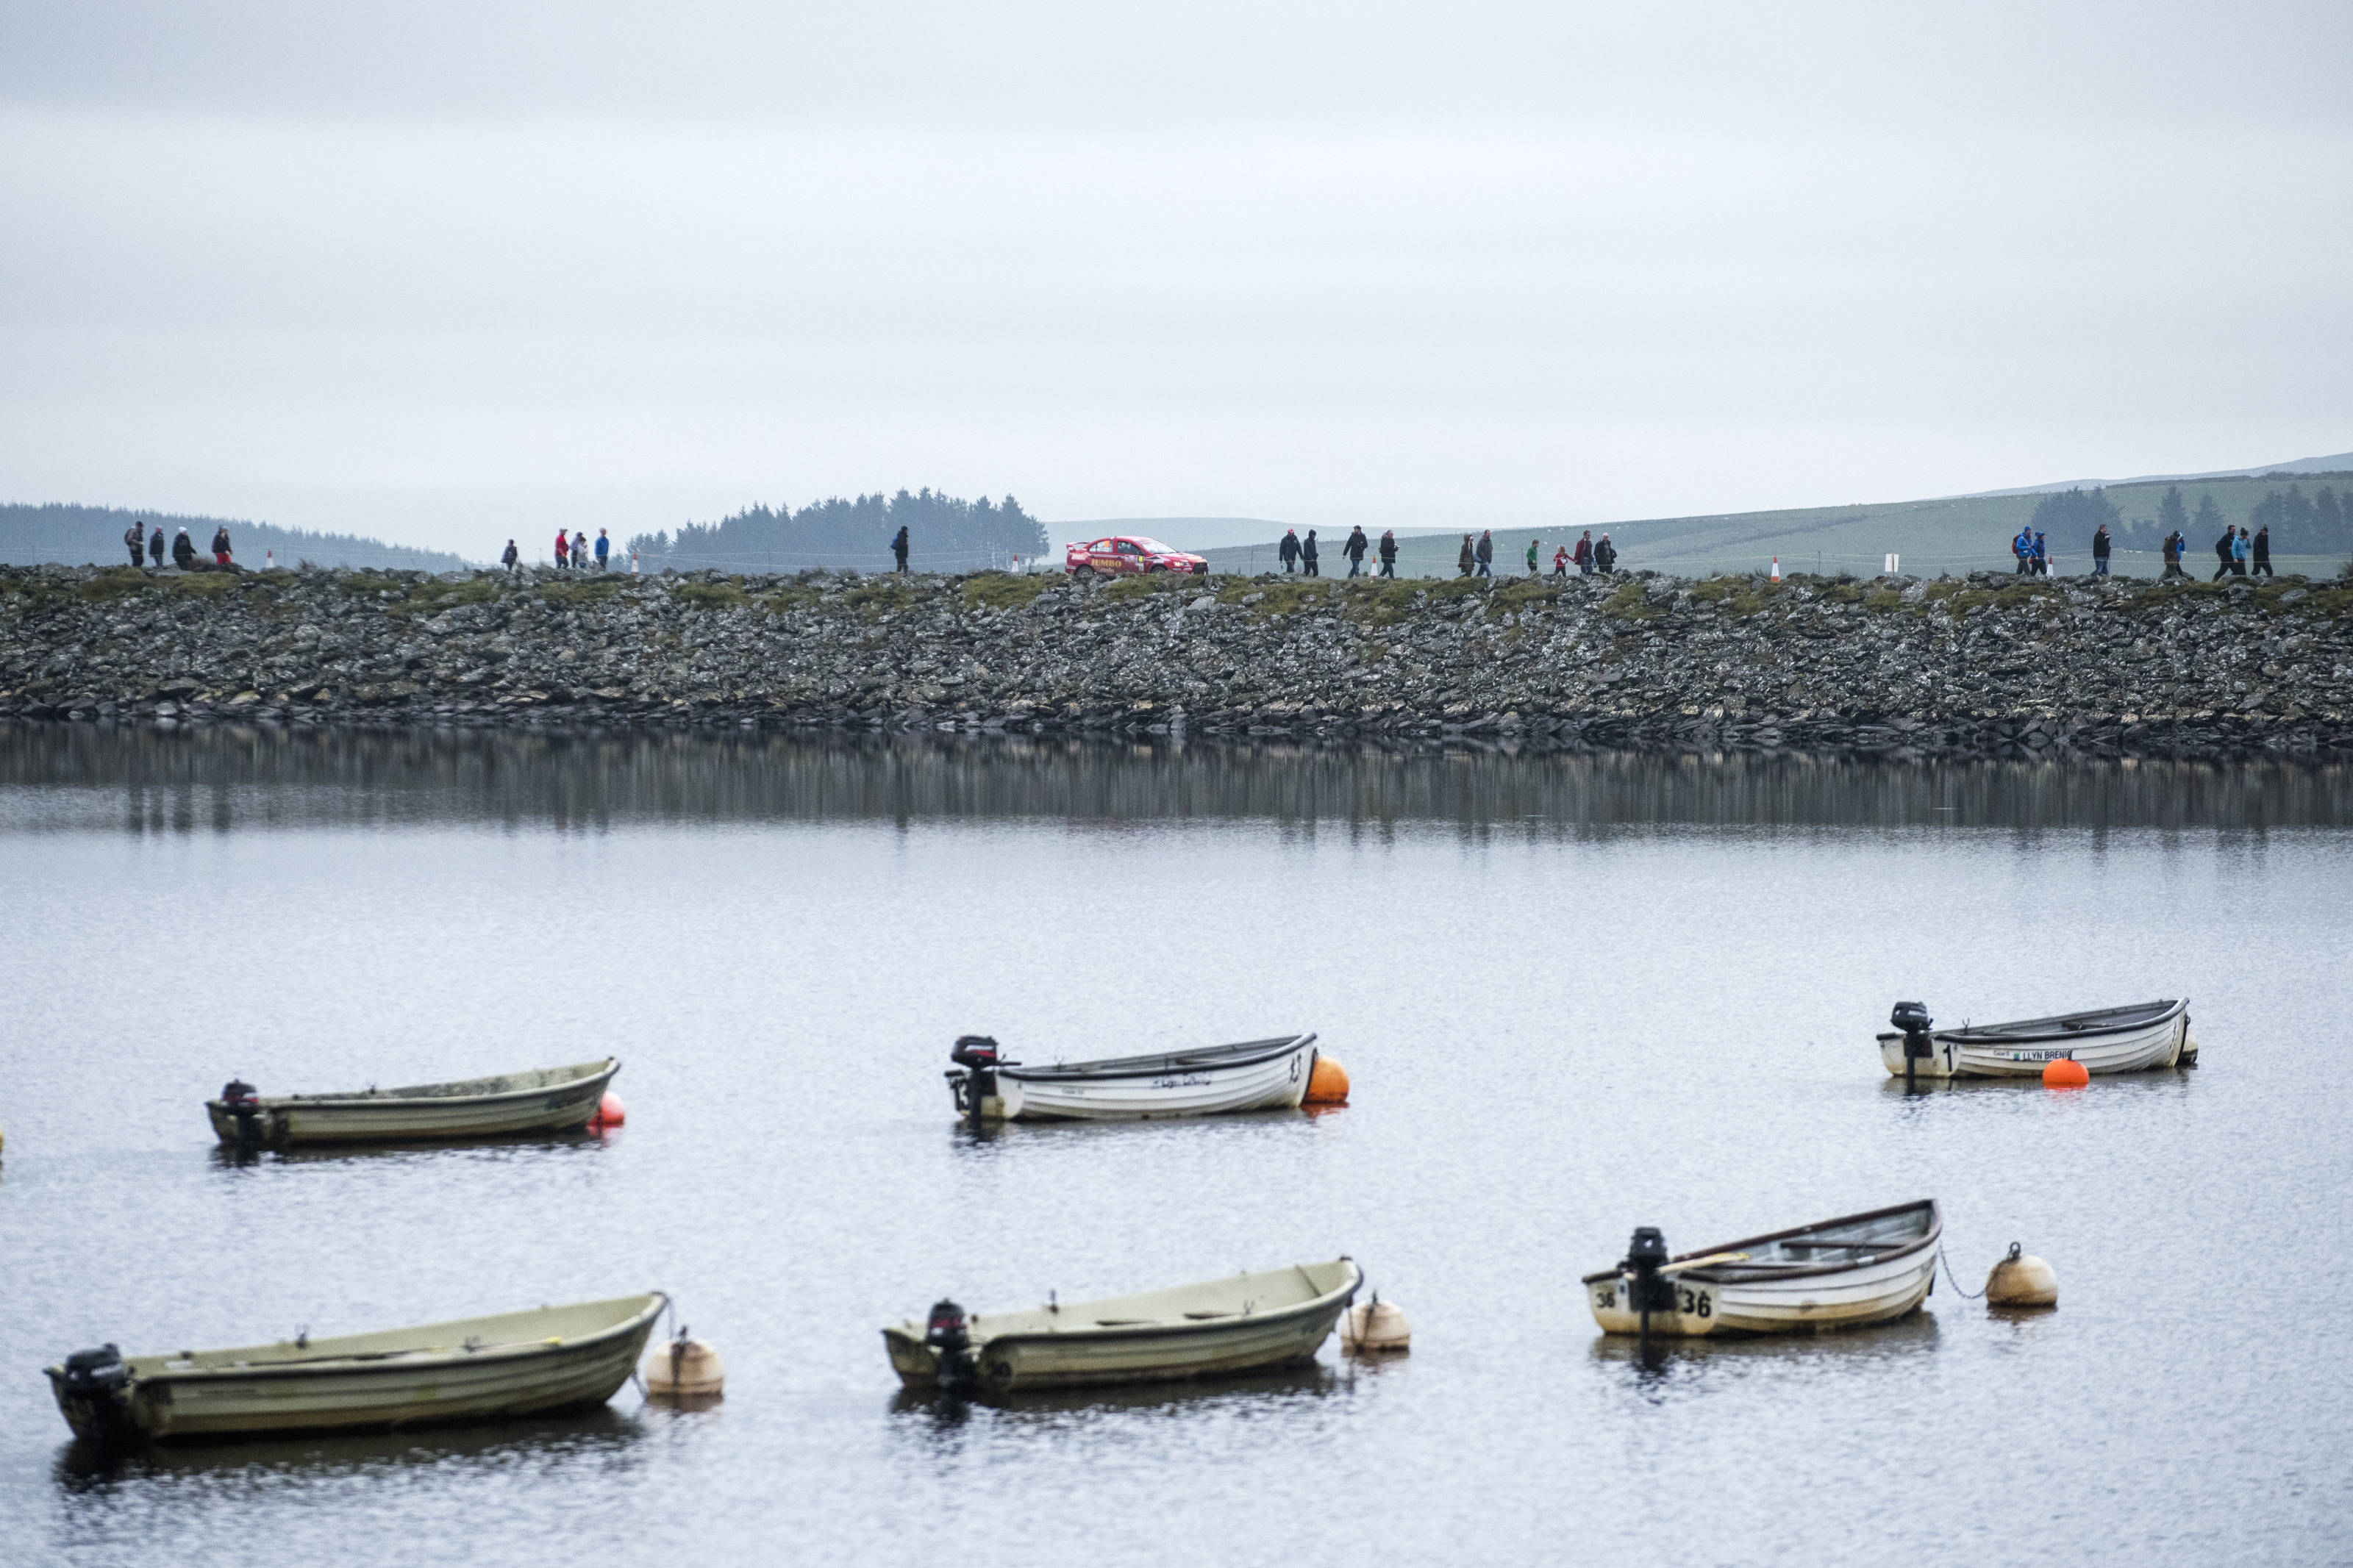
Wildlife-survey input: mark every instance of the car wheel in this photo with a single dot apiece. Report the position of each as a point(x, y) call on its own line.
point(1153, 566)
point(1082, 572)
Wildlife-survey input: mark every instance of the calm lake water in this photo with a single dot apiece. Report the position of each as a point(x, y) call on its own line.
point(1575, 995)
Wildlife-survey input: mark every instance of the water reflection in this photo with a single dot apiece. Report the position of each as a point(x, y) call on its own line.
point(147, 781)
point(1676, 1367)
point(924, 1410)
point(224, 1471)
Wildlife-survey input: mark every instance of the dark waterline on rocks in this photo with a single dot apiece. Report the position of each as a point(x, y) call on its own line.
point(1576, 993)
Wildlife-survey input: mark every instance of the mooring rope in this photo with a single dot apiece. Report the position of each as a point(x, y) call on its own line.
point(1955, 1279)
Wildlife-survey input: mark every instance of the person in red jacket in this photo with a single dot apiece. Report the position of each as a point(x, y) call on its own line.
point(563, 551)
point(1560, 562)
point(1583, 556)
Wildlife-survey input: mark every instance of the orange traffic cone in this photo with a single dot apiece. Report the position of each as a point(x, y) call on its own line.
point(1777, 569)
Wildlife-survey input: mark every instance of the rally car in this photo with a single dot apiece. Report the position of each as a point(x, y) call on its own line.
point(1127, 553)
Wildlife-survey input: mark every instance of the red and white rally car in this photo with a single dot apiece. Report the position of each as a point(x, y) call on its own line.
point(1127, 553)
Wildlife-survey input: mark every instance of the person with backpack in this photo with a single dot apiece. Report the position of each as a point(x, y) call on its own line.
point(2023, 548)
point(1355, 551)
point(1310, 557)
point(1389, 553)
point(155, 546)
point(1583, 555)
point(2174, 544)
point(899, 547)
point(2264, 552)
point(1604, 556)
point(604, 548)
point(513, 559)
point(135, 536)
point(1468, 559)
point(2100, 550)
point(1485, 554)
point(220, 545)
point(1289, 548)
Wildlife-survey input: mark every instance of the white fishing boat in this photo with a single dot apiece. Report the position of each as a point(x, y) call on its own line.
point(1840, 1274)
point(1246, 1324)
point(516, 1363)
point(1252, 1075)
point(2138, 1038)
point(548, 1099)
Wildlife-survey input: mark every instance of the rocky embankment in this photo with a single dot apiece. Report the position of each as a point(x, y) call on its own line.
point(1977, 666)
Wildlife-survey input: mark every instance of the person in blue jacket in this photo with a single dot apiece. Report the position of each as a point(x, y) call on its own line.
point(2023, 548)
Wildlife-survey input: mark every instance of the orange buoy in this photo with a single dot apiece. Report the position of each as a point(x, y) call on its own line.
point(609, 1113)
point(2065, 1073)
point(1328, 1085)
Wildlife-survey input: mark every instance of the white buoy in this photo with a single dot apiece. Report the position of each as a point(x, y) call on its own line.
point(684, 1369)
point(2021, 1280)
point(1375, 1328)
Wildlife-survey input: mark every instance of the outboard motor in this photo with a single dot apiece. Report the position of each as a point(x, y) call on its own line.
point(1912, 1017)
point(1649, 1290)
point(238, 1099)
point(946, 1335)
point(977, 1056)
point(93, 1384)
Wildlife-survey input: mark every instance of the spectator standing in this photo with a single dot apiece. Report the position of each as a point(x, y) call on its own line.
point(2172, 551)
point(1560, 563)
point(2100, 550)
point(604, 548)
point(183, 551)
point(1355, 551)
point(1485, 554)
point(2222, 555)
point(135, 536)
point(2264, 552)
point(563, 551)
point(1389, 553)
point(220, 544)
point(155, 545)
point(899, 547)
point(2240, 550)
point(1289, 548)
point(513, 559)
point(2042, 556)
point(1532, 557)
point(2023, 548)
point(1468, 559)
point(1583, 555)
point(1604, 556)
point(1310, 558)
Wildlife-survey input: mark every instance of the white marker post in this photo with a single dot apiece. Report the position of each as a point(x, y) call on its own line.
point(1891, 566)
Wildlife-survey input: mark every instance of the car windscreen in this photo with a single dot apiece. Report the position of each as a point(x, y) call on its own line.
point(1153, 546)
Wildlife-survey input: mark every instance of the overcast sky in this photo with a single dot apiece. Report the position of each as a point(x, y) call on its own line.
point(449, 272)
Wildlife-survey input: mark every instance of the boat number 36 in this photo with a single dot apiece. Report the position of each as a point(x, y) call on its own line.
point(1689, 1302)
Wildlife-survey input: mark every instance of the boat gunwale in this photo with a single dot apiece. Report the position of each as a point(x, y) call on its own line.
point(346, 1099)
point(2025, 1030)
point(1729, 1273)
point(398, 1363)
point(1161, 1065)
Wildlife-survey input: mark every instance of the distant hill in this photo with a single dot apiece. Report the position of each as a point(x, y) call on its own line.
point(944, 533)
point(1954, 533)
point(79, 535)
point(2342, 462)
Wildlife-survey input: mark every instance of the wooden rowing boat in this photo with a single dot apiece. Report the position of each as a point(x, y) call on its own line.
point(2138, 1038)
point(515, 1363)
point(1251, 1075)
point(1246, 1324)
point(548, 1099)
point(1840, 1274)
